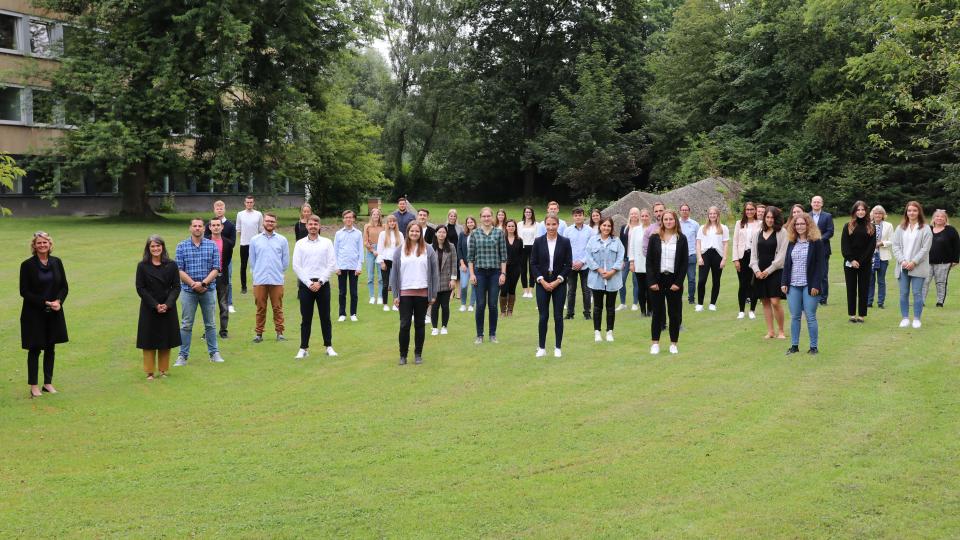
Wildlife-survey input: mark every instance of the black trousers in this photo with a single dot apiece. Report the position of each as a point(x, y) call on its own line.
point(33, 365)
point(643, 293)
point(442, 304)
point(558, 296)
point(666, 302)
point(526, 272)
point(584, 291)
point(858, 282)
point(308, 299)
point(413, 309)
point(244, 256)
point(223, 290)
point(385, 280)
point(345, 277)
point(826, 279)
point(598, 299)
point(711, 265)
point(745, 277)
point(513, 276)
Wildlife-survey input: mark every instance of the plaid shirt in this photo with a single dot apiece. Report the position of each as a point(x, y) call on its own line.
point(798, 275)
point(487, 250)
point(198, 261)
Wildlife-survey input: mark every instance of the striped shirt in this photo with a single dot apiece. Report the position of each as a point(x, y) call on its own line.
point(798, 275)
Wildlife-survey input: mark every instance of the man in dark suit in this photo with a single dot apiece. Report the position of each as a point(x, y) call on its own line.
point(824, 222)
point(551, 260)
point(230, 234)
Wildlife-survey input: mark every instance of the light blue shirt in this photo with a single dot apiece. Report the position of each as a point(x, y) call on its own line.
point(578, 241)
point(608, 255)
point(348, 245)
point(542, 229)
point(690, 228)
point(269, 257)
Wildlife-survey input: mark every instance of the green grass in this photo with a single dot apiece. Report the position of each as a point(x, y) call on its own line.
point(728, 439)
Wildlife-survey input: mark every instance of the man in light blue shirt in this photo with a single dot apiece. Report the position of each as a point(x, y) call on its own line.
point(348, 246)
point(689, 229)
point(269, 258)
point(553, 208)
point(579, 235)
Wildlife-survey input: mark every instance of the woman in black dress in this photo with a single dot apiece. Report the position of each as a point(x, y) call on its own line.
point(43, 286)
point(158, 284)
point(508, 293)
point(766, 261)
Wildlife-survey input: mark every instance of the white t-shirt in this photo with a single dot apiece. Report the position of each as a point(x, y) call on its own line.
point(713, 239)
point(414, 271)
point(527, 233)
point(249, 224)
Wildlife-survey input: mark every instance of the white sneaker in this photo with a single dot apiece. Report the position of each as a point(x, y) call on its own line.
point(712, 307)
point(674, 349)
point(435, 332)
point(741, 315)
point(331, 352)
point(426, 320)
point(386, 308)
point(752, 315)
point(373, 300)
point(353, 318)
point(463, 307)
point(470, 308)
point(609, 335)
point(379, 300)
point(302, 353)
point(181, 361)
point(443, 331)
point(634, 307)
point(341, 318)
point(655, 348)
point(596, 336)
point(621, 307)
point(905, 323)
point(916, 323)
point(698, 308)
point(541, 352)
point(231, 310)
point(216, 358)
point(395, 308)
point(557, 353)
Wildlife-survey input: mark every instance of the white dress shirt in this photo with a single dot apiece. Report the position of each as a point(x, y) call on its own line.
point(314, 259)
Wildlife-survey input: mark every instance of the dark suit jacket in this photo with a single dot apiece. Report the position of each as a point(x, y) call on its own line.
point(679, 264)
point(826, 230)
point(40, 328)
point(816, 264)
point(229, 233)
point(540, 258)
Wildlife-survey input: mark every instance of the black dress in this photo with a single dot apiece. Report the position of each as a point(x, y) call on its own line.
point(299, 230)
point(768, 287)
point(41, 327)
point(158, 285)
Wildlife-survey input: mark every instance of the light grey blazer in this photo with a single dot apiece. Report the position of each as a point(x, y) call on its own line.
point(778, 259)
point(920, 255)
point(433, 280)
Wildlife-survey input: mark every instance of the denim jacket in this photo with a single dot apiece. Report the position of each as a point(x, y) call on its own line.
point(606, 254)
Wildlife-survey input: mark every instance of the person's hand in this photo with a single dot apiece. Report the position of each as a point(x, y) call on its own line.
point(736, 264)
point(161, 308)
point(548, 285)
point(338, 272)
point(911, 265)
point(396, 302)
point(383, 266)
point(315, 286)
point(855, 264)
point(577, 265)
point(54, 305)
point(503, 279)
point(655, 287)
point(674, 287)
point(632, 266)
point(758, 275)
point(783, 289)
point(197, 287)
point(763, 274)
point(723, 262)
point(432, 301)
point(463, 267)
point(473, 279)
point(453, 285)
point(359, 272)
point(814, 292)
point(699, 261)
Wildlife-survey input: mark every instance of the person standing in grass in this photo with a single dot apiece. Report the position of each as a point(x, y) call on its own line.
point(348, 245)
point(269, 258)
point(604, 260)
point(658, 209)
point(802, 277)
point(638, 264)
point(508, 293)
point(158, 285)
point(881, 256)
point(249, 224)
point(689, 227)
point(550, 262)
point(766, 261)
point(423, 218)
point(911, 247)
point(666, 269)
point(712, 240)
point(403, 215)
point(454, 229)
point(388, 241)
point(198, 261)
point(230, 233)
point(858, 241)
point(225, 248)
point(300, 227)
point(415, 278)
point(527, 229)
point(488, 270)
point(314, 262)
point(43, 286)
point(371, 234)
point(579, 235)
point(633, 219)
point(744, 231)
point(447, 261)
point(595, 218)
point(463, 254)
point(500, 221)
point(824, 222)
point(944, 255)
point(553, 207)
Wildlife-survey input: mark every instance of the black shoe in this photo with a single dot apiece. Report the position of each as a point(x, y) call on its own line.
point(569, 316)
point(793, 349)
point(243, 290)
point(823, 302)
point(587, 317)
point(403, 360)
point(813, 350)
point(418, 359)
point(939, 304)
point(258, 338)
point(880, 306)
point(223, 334)
point(853, 319)
point(690, 301)
point(870, 305)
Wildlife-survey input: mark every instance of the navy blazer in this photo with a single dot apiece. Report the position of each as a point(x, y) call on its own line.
point(540, 258)
point(679, 263)
point(816, 264)
point(826, 230)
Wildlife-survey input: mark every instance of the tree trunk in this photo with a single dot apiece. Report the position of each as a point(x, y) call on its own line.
point(134, 202)
point(416, 170)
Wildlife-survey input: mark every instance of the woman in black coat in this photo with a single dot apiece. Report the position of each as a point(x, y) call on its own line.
point(667, 256)
point(158, 284)
point(43, 286)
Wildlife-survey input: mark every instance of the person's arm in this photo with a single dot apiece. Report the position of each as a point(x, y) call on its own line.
point(588, 259)
point(897, 246)
point(502, 248)
point(779, 259)
point(173, 285)
point(252, 257)
point(297, 263)
point(726, 243)
point(566, 260)
point(754, 256)
point(680, 262)
point(359, 246)
point(215, 270)
point(737, 248)
point(926, 242)
point(285, 255)
point(828, 228)
point(29, 296)
point(395, 276)
point(142, 291)
point(433, 278)
point(699, 249)
point(845, 250)
point(653, 264)
point(260, 228)
point(535, 263)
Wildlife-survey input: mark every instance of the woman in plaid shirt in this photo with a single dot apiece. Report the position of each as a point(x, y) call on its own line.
point(488, 269)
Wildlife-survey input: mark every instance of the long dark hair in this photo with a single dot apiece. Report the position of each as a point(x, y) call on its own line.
point(853, 218)
point(777, 219)
point(743, 216)
point(533, 216)
point(155, 239)
point(446, 240)
point(408, 244)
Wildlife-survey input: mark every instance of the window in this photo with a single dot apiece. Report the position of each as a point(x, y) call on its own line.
point(42, 38)
point(69, 36)
point(8, 32)
point(43, 107)
point(10, 106)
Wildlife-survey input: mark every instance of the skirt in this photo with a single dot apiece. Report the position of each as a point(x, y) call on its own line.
point(769, 287)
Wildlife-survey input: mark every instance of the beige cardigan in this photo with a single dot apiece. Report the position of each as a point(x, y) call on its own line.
point(886, 239)
point(743, 238)
point(920, 254)
point(778, 259)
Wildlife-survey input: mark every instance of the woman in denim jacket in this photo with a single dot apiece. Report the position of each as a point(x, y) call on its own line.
point(605, 262)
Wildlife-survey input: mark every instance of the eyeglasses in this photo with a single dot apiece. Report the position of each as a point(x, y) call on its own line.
point(41, 234)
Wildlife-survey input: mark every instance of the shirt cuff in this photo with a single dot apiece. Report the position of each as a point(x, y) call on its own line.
point(561, 279)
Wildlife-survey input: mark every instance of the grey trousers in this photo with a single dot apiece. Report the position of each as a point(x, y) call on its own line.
point(939, 276)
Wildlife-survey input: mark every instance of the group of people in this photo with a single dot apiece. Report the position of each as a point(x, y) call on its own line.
point(776, 256)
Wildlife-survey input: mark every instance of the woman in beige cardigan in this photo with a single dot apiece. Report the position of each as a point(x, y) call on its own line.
point(911, 248)
point(766, 261)
point(881, 257)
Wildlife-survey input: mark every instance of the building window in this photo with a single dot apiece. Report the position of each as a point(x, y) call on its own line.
point(42, 37)
point(8, 32)
point(68, 35)
point(44, 107)
point(11, 109)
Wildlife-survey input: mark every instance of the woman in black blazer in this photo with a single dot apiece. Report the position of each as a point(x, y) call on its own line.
point(43, 286)
point(803, 275)
point(158, 284)
point(667, 256)
point(551, 279)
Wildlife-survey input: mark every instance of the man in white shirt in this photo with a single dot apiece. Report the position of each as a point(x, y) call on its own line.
point(689, 228)
point(579, 235)
point(249, 224)
point(553, 208)
point(314, 262)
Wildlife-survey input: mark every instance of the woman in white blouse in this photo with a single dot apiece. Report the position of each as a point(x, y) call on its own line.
point(667, 256)
point(387, 243)
point(527, 231)
point(415, 280)
point(712, 240)
point(638, 263)
point(911, 248)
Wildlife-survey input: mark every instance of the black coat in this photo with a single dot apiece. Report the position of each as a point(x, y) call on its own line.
point(158, 285)
point(679, 263)
point(40, 328)
point(229, 233)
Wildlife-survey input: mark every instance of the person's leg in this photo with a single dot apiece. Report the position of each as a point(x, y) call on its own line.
point(795, 303)
point(419, 314)
point(149, 361)
point(306, 297)
point(882, 282)
point(323, 307)
point(276, 302)
point(674, 301)
point(188, 304)
point(585, 291)
point(572, 292)
point(942, 294)
point(444, 300)
point(611, 308)
point(385, 281)
point(597, 308)
point(691, 276)
point(810, 304)
point(559, 297)
point(657, 298)
point(637, 289)
point(435, 312)
point(850, 280)
point(917, 284)
point(49, 356)
point(494, 290)
point(826, 280)
point(260, 298)
point(33, 366)
point(464, 283)
point(230, 283)
point(406, 318)
point(715, 273)
point(872, 285)
point(352, 277)
point(543, 303)
point(904, 282)
point(768, 315)
point(208, 307)
point(702, 280)
point(244, 256)
point(623, 288)
point(524, 266)
point(778, 314)
point(482, 291)
point(342, 292)
point(371, 263)
point(863, 278)
point(223, 303)
point(163, 359)
point(642, 292)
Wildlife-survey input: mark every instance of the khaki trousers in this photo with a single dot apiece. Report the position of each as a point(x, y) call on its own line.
point(275, 294)
point(153, 357)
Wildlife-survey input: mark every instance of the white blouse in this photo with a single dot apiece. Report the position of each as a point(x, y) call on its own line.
point(713, 239)
point(668, 254)
point(415, 274)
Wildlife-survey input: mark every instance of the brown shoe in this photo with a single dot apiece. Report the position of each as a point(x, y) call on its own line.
point(511, 300)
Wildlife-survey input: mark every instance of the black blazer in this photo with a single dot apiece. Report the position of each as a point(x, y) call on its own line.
point(40, 328)
point(826, 230)
point(540, 258)
point(816, 264)
point(229, 233)
point(679, 263)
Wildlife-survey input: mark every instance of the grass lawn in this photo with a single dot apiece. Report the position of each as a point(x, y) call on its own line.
point(728, 439)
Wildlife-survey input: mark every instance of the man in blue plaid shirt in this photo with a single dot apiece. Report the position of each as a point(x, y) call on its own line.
point(199, 261)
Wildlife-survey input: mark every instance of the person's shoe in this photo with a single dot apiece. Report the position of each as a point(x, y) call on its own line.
point(403, 360)
point(435, 332)
point(690, 301)
point(224, 334)
point(331, 352)
point(231, 309)
point(379, 300)
point(35, 392)
point(674, 349)
point(301, 354)
point(470, 308)
point(463, 308)
point(243, 290)
point(621, 307)
point(373, 300)
point(387, 308)
point(541, 352)
point(569, 316)
point(793, 350)
point(939, 304)
point(478, 341)
point(181, 361)
point(752, 315)
point(634, 307)
point(741, 315)
point(596, 336)
point(853, 320)
point(353, 318)
point(48, 388)
point(341, 318)
point(655, 348)
point(557, 353)
point(609, 335)
point(395, 308)
point(823, 302)
point(813, 350)
point(493, 339)
point(443, 330)
point(586, 317)
point(216, 358)
point(417, 359)
point(698, 308)
point(280, 337)
point(904, 323)
point(870, 305)
point(916, 323)
point(258, 338)
point(712, 307)
point(150, 377)
point(880, 306)
point(426, 320)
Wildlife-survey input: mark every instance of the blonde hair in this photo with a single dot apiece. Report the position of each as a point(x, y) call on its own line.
point(676, 222)
point(946, 218)
point(716, 225)
point(813, 232)
point(45, 236)
point(391, 238)
point(379, 222)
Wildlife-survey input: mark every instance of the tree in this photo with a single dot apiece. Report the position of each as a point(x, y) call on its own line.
point(9, 172)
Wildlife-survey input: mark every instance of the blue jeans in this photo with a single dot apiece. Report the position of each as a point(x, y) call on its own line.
point(464, 283)
point(373, 270)
point(908, 282)
point(188, 305)
point(878, 281)
point(487, 289)
point(691, 276)
point(800, 302)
